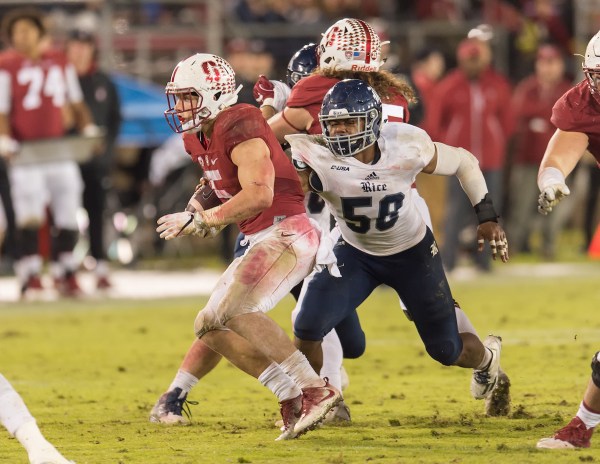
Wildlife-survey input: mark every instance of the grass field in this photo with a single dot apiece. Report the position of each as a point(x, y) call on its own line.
point(90, 372)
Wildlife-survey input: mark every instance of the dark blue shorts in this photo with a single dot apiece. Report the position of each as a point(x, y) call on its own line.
point(417, 276)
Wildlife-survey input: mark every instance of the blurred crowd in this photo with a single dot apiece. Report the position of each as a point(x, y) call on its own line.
point(489, 88)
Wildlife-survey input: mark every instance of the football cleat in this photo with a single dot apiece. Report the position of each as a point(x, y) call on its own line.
point(68, 286)
point(316, 403)
point(32, 287)
point(291, 411)
point(498, 403)
point(574, 435)
point(102, 283)
point(484, 380)
point(170, 408)
point(48, 456)
point(338, 414)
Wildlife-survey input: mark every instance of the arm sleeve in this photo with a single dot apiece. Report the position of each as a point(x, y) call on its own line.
point(462, 164)
point(5, 92)
point(74, 93)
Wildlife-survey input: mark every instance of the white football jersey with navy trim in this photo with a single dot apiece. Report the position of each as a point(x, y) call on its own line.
point(372, 203)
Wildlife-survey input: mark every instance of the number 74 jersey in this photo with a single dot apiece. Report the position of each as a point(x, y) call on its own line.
point(372, 203)
point(35, 93)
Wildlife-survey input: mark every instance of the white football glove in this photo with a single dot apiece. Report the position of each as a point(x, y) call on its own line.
point(176, 225)
point(551, 196)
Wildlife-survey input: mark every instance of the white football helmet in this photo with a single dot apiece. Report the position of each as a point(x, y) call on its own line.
point(350, 45)
point(209, 78)
point(591, 65)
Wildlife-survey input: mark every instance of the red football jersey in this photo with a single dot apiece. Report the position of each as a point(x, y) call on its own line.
point(578, 111)
point(34, 92)
point(309, 92)
point(233, 126)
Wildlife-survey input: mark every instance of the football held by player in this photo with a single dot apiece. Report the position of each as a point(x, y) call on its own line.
point(575, 116)
point(364, 171)
point(260, 191)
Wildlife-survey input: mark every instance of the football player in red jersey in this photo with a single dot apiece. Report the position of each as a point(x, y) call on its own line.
point(260, 191)
point(37, 89)
point(349, 49)
point(575, 116)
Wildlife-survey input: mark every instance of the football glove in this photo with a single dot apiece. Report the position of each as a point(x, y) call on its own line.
point(551, 196)
point(271, 93)
point(176, 225)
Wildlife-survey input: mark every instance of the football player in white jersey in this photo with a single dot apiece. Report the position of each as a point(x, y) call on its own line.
point(364, 172)
point(19, 422)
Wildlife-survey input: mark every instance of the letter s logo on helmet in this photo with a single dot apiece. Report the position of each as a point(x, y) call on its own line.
point(591, 66)
point(351, 44)
point(200, 87)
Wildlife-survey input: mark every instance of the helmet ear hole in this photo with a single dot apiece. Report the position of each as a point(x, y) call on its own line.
point(216, 96)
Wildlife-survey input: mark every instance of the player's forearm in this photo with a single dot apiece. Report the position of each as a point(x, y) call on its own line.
point(564, 151)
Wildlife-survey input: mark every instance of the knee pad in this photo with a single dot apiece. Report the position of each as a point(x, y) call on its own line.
point(207, 320)
point(354, 348)
point(65, 241)
point(596, 370)
point(445, 352)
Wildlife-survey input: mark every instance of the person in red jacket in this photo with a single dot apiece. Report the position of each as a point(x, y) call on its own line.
point(472, 112)
point(532, 105)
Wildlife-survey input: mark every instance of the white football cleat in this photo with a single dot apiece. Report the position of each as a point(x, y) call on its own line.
point(484, 380)
point(48, 456)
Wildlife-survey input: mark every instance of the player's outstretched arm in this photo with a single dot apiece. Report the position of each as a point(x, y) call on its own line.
point(564, 151)
point(448, 161)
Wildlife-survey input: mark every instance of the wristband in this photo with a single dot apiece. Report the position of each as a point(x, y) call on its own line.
point(485, 210)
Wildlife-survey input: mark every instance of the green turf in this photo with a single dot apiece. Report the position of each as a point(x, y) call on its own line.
point(90, 372)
